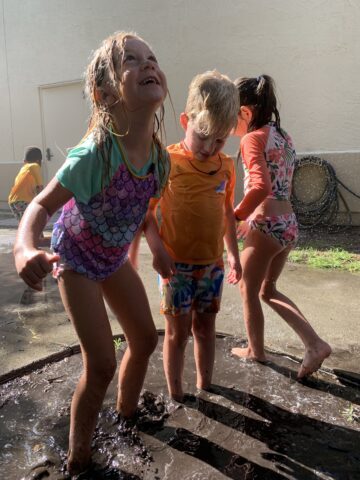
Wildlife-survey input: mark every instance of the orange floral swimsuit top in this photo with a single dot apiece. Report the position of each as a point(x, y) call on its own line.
point(268, 158)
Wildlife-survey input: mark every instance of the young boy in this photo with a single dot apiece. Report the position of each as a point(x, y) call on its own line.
point(196, 217)
point(28, 182)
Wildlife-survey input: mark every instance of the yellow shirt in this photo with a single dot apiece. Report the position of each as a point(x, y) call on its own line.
point(26, 181)
point(192, 206)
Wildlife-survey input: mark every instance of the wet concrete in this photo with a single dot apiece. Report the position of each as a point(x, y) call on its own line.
point(256, 422)
point(34, 325)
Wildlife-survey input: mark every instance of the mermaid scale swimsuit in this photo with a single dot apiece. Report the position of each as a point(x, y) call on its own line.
point(93, 238)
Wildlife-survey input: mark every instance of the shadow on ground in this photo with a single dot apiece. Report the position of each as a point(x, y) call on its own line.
point(324, 239)
point(256, 422)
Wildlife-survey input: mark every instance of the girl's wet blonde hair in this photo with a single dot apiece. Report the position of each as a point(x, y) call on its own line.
point(212, 104)
point(104, 72)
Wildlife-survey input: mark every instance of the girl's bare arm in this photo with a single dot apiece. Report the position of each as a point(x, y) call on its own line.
point(32, 264)
point(162, 262)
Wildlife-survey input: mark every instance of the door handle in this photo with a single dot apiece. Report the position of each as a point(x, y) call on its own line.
point(48, 154)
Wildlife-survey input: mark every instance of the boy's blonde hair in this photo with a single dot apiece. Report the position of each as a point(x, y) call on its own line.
point(213, 103)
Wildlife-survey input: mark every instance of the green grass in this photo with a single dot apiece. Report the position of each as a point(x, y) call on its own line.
point(332, 258)
point(117, 343)
point(352, 413)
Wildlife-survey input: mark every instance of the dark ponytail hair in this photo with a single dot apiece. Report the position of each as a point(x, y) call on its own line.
point(258, 93)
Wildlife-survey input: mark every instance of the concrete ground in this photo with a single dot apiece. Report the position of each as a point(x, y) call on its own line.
point(34, 325)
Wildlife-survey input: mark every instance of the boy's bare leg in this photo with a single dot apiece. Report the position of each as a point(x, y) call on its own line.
point(83, 302)
point(203, 329)
point(316, 349)
point(126, 296)
point(177, 330)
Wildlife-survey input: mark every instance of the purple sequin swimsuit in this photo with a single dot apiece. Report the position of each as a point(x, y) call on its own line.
point(93, 239)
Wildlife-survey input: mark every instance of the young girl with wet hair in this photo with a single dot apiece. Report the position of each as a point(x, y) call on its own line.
point(267, 221)
point(104, 187)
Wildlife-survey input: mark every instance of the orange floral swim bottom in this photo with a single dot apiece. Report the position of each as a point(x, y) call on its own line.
point(283, 228)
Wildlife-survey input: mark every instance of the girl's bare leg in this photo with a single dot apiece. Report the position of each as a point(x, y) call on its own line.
point(83, 302)
point(177, 330)
point(126, 296)
point(203, 329)
point(134, 249)
point(316, 349)
point(255, 258)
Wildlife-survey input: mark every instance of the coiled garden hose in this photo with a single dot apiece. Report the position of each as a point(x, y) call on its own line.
point(315, 194)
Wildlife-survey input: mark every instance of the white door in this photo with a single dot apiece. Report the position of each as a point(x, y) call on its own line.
point(65, 115)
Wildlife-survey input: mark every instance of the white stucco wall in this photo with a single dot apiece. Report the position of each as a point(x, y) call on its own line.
point(310, 47)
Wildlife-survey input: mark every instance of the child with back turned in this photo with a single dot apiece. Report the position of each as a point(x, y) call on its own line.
point(105, 187)
point(196, 216)
point(28, 182)
point(267, 221)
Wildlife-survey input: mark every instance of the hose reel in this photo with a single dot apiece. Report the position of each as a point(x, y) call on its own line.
point(315, 194)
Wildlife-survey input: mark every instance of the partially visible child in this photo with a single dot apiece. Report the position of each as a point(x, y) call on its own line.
point(268, 222)
point(28, 182)
point(104, 187)
point(196, 217)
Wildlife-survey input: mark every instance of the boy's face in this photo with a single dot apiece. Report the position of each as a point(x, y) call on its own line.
point(203, 147)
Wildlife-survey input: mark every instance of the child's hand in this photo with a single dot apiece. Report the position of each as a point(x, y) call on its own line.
point(234, 274)
point(164, 264)
point(242, 229)
point(33, 265)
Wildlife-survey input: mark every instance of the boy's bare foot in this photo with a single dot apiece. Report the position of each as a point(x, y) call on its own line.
point(177, 397)
point(203, 387)
point(247, 353)
point(313, 359)
point(78, 463)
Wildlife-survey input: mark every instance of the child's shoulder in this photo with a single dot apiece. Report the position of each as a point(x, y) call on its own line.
point(81, 173)
point(226, 160)
point(85, 148)
point(225, 157)
point(81, 160)
point(262, 132)
point(256, 137)
point(176, 149)
point(286, 135)
point(30, 167)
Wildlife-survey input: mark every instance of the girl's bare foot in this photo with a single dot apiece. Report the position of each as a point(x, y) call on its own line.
point(313, 359)
point(247, 353)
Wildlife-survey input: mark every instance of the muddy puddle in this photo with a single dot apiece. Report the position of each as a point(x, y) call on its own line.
point(257, 422)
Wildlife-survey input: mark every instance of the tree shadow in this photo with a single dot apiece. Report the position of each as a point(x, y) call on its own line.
point(300, 444)
point(341, 391)
point(106, 474)
point(228, 463)
point(349, 379)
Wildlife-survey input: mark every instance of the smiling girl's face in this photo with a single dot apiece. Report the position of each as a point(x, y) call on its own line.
point(142, 80)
